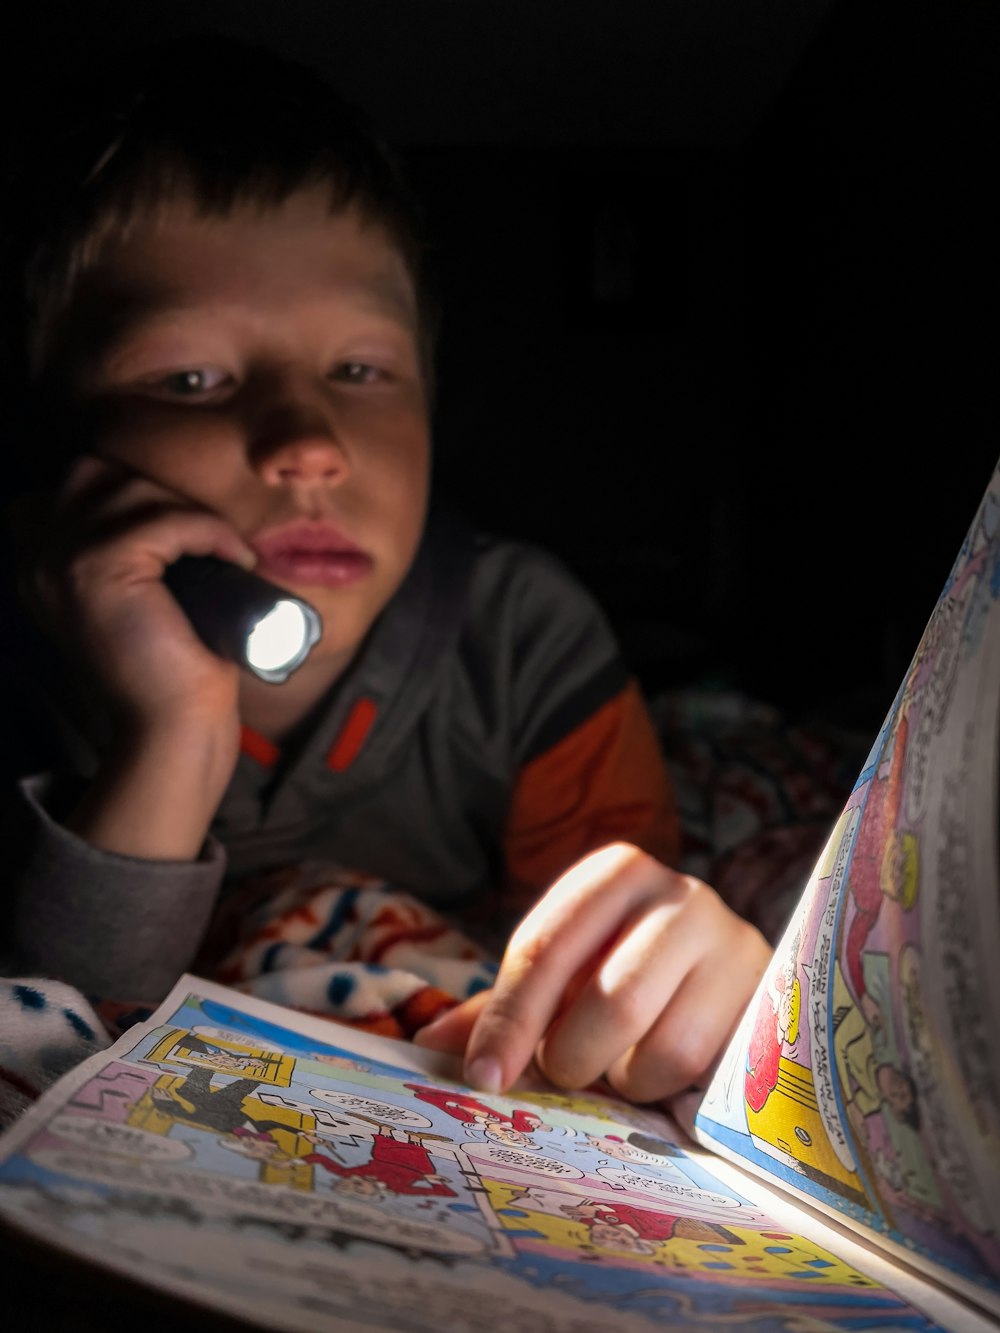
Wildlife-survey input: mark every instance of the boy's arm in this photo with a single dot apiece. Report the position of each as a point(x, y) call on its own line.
point(91, 565)
point(114, 926)
point(156, 793)
point(113, 879)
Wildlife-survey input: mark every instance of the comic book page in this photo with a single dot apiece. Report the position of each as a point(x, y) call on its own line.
point(866, 1073)
point(309, 1177)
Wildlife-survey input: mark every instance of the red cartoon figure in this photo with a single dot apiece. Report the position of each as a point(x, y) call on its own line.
point(883, 865)
point(510, 1129)
point(623, 1226)
point(777, 1022)
point(399, 1166)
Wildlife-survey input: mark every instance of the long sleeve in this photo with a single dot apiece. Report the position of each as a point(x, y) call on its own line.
point(113, 926)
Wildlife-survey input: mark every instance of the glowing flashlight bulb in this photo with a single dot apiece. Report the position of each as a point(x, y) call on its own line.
point(243, 617)
point(278, 638)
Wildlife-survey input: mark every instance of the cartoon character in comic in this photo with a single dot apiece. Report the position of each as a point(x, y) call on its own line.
point(259, 1144)
point(625, 1150)
point(398, 1165)
point(777, 1022)
point(197, 1101)
point(884, 861)
point(635, 1230)
point(195, 1049)
point(512, 1130)
point(880, 1096)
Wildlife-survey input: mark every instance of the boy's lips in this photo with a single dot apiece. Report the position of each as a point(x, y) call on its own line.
point(304, 553)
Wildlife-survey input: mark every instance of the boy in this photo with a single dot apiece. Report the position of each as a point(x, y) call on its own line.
point(228, 337)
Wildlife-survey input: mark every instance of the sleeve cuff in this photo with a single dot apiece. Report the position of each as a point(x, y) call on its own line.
point(111, 925)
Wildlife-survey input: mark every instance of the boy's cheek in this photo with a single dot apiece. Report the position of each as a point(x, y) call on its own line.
point(189, 462)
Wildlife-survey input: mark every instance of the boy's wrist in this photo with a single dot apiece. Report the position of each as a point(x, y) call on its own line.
point(157, 791)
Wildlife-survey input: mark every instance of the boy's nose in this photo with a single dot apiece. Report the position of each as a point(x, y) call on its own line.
point(293, 447)
point(304, 460)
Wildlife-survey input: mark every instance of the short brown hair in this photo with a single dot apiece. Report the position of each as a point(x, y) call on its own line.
point(207, 115)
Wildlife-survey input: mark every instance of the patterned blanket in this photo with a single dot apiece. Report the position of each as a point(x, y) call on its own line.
point(757, 797)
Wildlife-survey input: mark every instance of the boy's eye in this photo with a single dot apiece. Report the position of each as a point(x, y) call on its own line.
point(355, 372)
point(191, 383)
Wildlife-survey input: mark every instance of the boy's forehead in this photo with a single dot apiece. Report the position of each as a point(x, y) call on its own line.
point(176, 261)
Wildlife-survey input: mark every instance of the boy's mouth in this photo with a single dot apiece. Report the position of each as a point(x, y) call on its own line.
point(303, 552)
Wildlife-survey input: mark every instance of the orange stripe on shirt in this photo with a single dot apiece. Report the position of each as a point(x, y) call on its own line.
point(606, 781)
point(259, 747)
point(344, 749)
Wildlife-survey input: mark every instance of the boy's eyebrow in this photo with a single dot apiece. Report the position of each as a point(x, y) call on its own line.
point(387, 296)
point(115, 325)
point(379, 294)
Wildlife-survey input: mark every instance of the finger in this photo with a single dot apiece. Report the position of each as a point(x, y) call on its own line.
point(632, 984)
point(134, 549)
point(146, 528)
point(681, 1049)
point(582, 911)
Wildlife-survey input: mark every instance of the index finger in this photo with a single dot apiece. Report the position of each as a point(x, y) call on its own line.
point(575, 920)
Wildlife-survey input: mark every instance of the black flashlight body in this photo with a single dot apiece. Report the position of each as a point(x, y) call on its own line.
point(225, 603)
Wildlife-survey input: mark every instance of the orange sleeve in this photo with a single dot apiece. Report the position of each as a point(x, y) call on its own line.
point(604, 782)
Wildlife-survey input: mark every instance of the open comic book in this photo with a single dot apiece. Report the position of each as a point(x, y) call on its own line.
point(293, 1174)
point(303, 1176)
point(865, 1076)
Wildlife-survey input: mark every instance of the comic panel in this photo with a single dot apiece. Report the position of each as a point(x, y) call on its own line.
point(284, 1180)
point(866, 1074)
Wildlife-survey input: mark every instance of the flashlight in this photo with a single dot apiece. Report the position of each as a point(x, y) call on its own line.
point(242, 617)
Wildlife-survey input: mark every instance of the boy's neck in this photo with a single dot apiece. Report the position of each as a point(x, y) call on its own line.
point(274, 711)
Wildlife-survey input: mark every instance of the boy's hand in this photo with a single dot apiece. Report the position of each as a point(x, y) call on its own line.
point(625, 969)
point(93, 570)
point(91, 565)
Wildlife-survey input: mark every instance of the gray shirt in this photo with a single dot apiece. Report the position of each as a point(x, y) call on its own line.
point(489, 653)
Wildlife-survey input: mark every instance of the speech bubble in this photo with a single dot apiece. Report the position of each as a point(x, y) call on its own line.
point(331, 1120)
point(385, 1112)
point(500, 1155)
point(668, 1188)
point(110, 1136)
point(626, 1151)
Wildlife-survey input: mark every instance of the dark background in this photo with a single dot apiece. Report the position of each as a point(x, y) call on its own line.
point(720, 297)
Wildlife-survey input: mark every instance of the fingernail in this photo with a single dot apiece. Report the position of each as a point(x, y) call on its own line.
point(249, 559)
point(485, 1074)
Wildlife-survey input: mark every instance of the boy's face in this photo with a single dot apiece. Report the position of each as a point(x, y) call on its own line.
point(265, 365)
